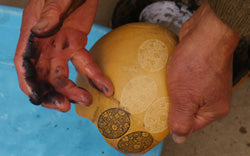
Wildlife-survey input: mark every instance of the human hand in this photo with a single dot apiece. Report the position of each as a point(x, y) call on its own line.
point(52, 33)
point(200, 73)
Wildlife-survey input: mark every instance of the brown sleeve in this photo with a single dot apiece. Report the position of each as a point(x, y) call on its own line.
point(234, 13)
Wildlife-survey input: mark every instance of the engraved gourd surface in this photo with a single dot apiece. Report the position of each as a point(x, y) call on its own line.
point(135, 58)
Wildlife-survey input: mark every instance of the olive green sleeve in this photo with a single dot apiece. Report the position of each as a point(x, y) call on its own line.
point(234, 13)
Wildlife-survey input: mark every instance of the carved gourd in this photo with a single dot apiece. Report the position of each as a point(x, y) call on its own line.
point(135, 58)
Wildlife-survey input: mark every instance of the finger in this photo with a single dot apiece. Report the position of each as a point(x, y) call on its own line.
point(51, 16)
point(72, 92)
point(31, 14)
point(52, 99)
point(181, 115)
point(85, 65)
point(208, 114)
point(59, 79)
point(200, 122)
point(55, 100)
point(26, 71)
point(83, 17)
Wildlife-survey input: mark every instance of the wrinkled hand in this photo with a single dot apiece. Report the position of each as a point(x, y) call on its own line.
point(200, 73)
point(52, 33)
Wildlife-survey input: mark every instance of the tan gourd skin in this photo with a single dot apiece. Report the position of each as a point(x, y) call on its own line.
point(134, 57)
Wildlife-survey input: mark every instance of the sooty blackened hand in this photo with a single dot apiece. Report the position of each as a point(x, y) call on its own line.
point(52, 33)
point(46, 70)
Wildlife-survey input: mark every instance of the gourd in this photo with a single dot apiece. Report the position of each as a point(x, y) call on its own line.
point(135, 58)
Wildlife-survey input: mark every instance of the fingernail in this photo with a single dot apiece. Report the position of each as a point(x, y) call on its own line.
point(179, 139)
point(40, 26)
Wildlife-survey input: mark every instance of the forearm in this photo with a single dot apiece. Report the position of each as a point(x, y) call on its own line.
point(234, 13)
point(205, 23)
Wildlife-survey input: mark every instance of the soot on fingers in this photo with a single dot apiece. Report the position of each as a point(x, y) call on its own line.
point(61, 82)
point(53, 97)
point(30, 71)
point(29, 58)
point(59, 70)
point(40, 89)
point(105, 88)
point(35, 97)
point(44, 88)
point(31, 51)
point(53, 43)
point(93, 85)
point(65, 44)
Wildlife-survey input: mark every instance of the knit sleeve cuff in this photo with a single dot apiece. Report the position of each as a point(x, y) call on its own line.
point(234, 13)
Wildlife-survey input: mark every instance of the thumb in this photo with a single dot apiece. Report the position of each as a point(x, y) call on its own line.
point(51, 17)
point(181, 116)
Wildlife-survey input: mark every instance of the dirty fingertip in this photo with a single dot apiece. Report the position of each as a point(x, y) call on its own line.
point(108, 90)
point(107, 87)
point(35, 97)
point(54, 100)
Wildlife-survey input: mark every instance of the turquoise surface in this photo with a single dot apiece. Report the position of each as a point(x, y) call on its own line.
point(28, 130)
